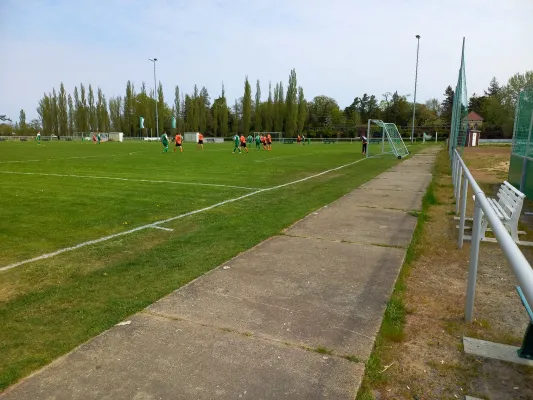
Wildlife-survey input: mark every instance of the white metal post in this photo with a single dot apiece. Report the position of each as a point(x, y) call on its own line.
point(474, 258)
point(156, 99)
point(383, 141)
point(416, 79)
point(462, 218)
point(367, 139)
point(458, 190)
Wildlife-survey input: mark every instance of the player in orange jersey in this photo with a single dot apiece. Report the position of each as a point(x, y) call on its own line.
point(178, 140)
point(200, 141)
point(269, 142)
point(243, 143)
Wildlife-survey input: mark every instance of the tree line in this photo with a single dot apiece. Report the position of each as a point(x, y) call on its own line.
point(287, 111)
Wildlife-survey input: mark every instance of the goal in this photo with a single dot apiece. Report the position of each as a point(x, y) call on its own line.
point(191, 137)
point(384, 138)
point(115, 136)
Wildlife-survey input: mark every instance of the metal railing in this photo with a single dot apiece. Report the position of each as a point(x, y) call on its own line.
point(462, 177)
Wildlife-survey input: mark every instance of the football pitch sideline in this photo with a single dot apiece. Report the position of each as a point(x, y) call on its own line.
point(94, 233)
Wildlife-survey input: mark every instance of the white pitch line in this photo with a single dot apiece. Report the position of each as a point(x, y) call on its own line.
point(155, 224)
point(162, 228)
point(128, 179)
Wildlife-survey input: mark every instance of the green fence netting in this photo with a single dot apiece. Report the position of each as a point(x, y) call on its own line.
point(459, 123)
point(521, 162)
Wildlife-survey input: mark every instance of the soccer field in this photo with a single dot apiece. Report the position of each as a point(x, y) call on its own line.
point(93, 233)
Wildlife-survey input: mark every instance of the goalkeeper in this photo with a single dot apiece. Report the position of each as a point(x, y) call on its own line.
point(236, 142)
point(164, 142)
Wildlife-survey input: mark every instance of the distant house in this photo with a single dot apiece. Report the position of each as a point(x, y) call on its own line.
point(475, 121)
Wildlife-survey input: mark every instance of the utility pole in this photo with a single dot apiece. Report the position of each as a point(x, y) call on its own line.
point(416, 79)
point(155, 98)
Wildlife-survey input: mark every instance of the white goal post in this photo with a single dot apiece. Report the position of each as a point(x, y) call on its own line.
point(387, 132)
point(116, 136)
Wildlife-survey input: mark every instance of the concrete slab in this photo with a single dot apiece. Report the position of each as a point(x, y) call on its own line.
point(344, 220)
point(398, 199)
point(402, 176)
point(497, 351)
point(397, 184)
point(302, 291)
point(160, 358)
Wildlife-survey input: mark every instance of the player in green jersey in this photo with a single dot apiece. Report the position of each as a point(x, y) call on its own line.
point(38, 138)
point(164, 142)
point(236, 142)
point(99, 138)
point(249, 139)
point(258, 142)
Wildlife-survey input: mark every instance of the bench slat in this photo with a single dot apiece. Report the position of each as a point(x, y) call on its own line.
point(496, 208)
point(501, 210)
point(513, 189)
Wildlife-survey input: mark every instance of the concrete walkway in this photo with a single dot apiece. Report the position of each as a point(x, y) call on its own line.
point(276, 322)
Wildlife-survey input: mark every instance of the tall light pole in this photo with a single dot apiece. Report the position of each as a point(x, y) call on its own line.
point(155, 98)
point(416, 79)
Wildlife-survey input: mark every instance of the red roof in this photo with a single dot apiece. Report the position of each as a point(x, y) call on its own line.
point(474, 116)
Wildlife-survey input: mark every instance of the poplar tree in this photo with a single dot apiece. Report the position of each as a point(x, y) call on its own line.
point(84, 125)
point(302, 110)
point(22, 120)
point(77, 110)
point(291, 105)
point(246, 107)
point(268, 110)
point(257, 115)
point(278, 107)
point(236, 118)
point(105, 115)
point(129, 109)
point(62, 113)
point(177, 107)
point(93, 118)
point(55, 119)
point(224, 111)
point(71, 119)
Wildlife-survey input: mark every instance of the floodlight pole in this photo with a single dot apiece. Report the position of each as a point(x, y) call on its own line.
point(155, 98)
point(416, 79)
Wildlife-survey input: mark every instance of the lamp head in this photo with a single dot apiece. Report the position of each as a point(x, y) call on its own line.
point(418, 36)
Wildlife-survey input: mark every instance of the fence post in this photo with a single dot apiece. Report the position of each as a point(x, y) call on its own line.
point(458, 190)
point(463, 213)
point(474, 258)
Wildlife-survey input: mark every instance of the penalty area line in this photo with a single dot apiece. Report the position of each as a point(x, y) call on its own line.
point(128, 179)
point(156, 224)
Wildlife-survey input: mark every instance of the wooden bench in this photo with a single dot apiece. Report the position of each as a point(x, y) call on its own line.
point(328, 141)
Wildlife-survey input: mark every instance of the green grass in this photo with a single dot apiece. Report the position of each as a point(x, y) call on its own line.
point(50, 306)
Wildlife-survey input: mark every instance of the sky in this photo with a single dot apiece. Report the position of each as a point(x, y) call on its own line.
point(339, 48)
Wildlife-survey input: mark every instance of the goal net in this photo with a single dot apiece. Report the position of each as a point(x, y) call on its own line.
point(426, 138)
point(190, 137)
point(384, 138)
point(116, 136)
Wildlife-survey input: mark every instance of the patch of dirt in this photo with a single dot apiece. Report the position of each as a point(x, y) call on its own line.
point(430, 362)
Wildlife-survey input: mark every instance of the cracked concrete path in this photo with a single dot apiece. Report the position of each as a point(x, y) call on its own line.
point(292, 318)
